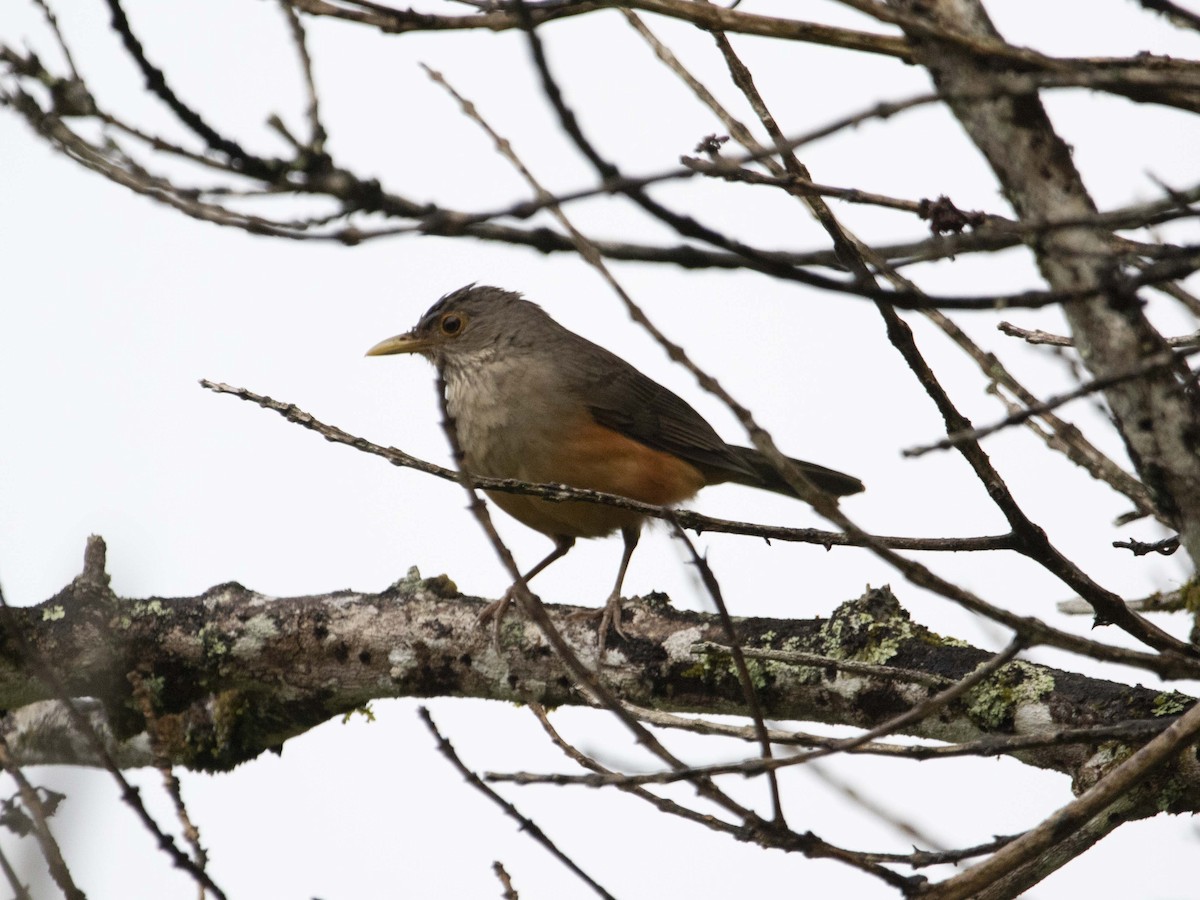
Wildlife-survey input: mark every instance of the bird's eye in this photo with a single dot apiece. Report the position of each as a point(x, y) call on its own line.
point(452, 323)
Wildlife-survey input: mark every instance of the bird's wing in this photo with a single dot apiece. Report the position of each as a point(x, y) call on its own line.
point(640, 408)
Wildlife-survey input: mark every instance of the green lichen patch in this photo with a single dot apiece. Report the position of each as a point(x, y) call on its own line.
point(365, 711)
point(1171, 703)
point(871, 629)
point(151, 607)
point(212, 641)
point(715, 665)
point(255, 633)
point(439, 585)
point(1190, 594)
point(993, 705)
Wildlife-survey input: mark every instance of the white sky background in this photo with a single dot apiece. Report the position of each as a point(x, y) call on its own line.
point(113, 307)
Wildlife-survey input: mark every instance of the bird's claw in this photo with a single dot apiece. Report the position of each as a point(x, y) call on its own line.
point(607, 616)
point(494, 612)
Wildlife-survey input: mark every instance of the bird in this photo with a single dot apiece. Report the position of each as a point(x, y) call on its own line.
point(533, 401)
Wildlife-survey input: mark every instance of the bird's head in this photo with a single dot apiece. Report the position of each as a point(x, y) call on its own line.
point(470, 321)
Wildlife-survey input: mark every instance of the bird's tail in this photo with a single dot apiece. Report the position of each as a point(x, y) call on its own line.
point(765, 476)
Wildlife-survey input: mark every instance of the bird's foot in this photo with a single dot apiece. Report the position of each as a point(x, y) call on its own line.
point(608, 616)
point(494, 612)
point(611, 616)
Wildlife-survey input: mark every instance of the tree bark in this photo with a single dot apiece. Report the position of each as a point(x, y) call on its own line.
point(233, 673)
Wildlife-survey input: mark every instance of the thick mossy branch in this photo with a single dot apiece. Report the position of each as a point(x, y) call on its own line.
point(233, 673)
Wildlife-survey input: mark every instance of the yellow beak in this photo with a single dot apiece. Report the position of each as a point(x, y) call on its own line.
point(408, 342)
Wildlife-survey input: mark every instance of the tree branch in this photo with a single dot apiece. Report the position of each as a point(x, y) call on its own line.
point(228, 686)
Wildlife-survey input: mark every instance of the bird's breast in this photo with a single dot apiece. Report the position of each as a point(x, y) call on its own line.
point(507, 417)
point(514, 422)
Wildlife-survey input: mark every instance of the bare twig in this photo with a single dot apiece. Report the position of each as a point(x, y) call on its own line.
point(156, 82)
point(906, 827)
point(510, 892)
point(1143, 367)
point(796, 658)
point(1133, 731)
point(758, 765)
point(20, 891)
point(662, 804)
point(144, 698)
point(1037, 336)
point(1076, 814)
point(709, 578)
point(63, 46)
point(1165, 547)
point(527, 825)
point(1176, 14)
point(316, 131)
point(1162, 601)
point(41, 828)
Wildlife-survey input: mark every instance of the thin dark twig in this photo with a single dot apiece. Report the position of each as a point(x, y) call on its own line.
point(316, 131)
point(156, 82)
point(145, 701)
point(873, 806)
point(510, 892)
point(752, 766)
point(1075, 815)
point(41, 828)
point(1134, 730)
point(801, 186)
point(662, 804)
point(1037, 336)
point(527, 825)
point(52, 19)
point(20, 891)
point(1033, 540)
point(1165, 547)
point(1153, 363)
point(919, 859)
point(1176, 14)
point(816, 660)
point(561, 493)
point(709, 578)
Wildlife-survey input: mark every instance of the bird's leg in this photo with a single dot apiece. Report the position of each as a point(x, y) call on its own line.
point(610, 613)
point(612, 606)
point(495, 610)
